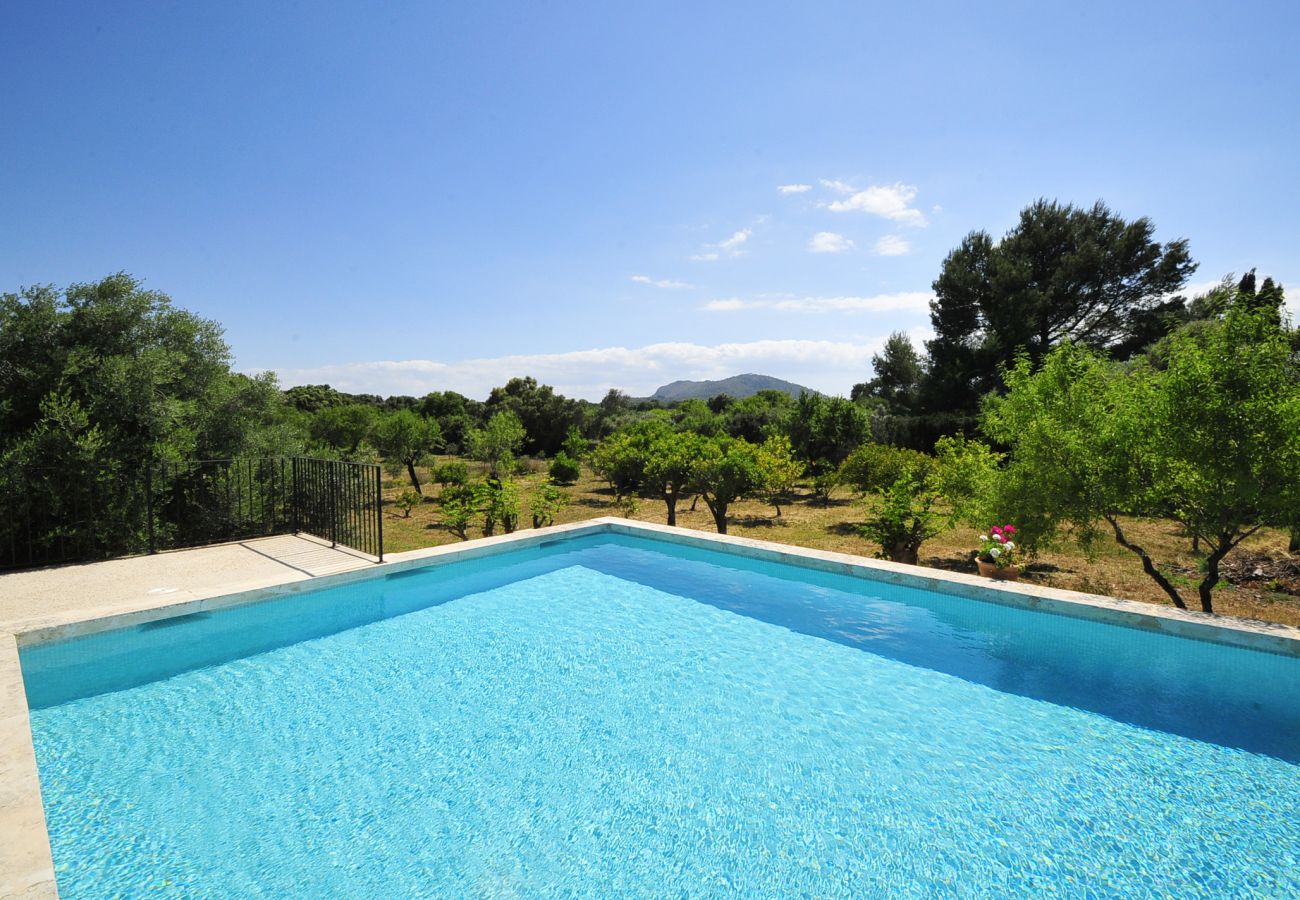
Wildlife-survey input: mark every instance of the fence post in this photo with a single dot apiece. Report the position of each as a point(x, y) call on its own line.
point(293, 474)
point(334, 504)
point(148, 505)
point(379, 510)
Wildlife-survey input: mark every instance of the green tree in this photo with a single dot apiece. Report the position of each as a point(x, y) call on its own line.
point(457, 507)
point(407, 437)
point(457, 416)
point(310, 398)
point(141, 373)
point(499, 501)
point(344, 427)
point(1064, 273)
point(450, 472)
point(758, 417)
point(407, 501)
point(247, 415)
point(545, 504)
point(900, 496)
point(670, 462)
point(727, 469)
point(824, 430)
point(874, 467)
point(967, 476)
point(564, 469)
point(98, 382)
point(779, 471)
point(695, 415)
point(545, 415)
point(622, 457)
point(497, 443)
point(1211, 440)
point(903, 516)
point(899, 371)
point(575, 446)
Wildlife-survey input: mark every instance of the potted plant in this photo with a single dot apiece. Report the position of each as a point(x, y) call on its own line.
point(998, 556)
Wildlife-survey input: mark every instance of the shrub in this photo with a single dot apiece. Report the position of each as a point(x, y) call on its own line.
point(452, 472)
point(575, 446)
point(903, 518)
point(876, 467)
point(564, 469)
point(459, 503)
point(825, 483)
point(406, 501)
point(546, 503)
point(500, 505)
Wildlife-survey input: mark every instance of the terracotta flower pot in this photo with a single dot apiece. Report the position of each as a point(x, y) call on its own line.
point(1000, 573)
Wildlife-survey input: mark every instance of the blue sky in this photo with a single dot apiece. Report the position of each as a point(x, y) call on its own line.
point(406, 197)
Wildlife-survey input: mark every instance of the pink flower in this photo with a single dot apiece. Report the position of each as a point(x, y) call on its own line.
point(996, 530)
point(1010, 529)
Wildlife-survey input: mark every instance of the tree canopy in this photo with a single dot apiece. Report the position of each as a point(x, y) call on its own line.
point(110, 372)
point(545, 415)
point(1064, 273)
point(1209, 437)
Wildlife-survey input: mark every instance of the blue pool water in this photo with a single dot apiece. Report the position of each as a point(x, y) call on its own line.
point(624, 717)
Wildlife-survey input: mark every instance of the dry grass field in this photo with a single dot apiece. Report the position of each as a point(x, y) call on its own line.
point(806, 522)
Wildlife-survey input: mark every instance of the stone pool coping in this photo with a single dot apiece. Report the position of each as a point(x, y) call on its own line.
point(26, 865)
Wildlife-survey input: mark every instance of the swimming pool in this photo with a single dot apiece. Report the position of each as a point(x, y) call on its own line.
point(616, 715)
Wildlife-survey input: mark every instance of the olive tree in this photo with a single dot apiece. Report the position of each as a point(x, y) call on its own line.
point(406, 437)
point(670, 465)
point(344, 427)
point(727, 469)
point(779, 470)
point(497, 443)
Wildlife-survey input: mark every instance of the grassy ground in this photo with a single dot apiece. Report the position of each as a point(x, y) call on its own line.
point(1112, 570)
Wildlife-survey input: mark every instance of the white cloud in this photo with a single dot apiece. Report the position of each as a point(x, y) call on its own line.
point(893, 202)
point(732, 246)
point(841, 187)
point(904, 301)
point(667, 284)
point(734, 243)
point(829, 242)
point(891, 245)
point(794, 188)
point(1197, 288)
point(829, 366)
point(726, 305)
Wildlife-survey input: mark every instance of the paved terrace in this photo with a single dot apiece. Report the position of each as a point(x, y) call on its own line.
point(40, 597)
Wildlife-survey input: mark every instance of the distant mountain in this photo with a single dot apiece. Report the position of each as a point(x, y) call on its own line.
point(738, 386)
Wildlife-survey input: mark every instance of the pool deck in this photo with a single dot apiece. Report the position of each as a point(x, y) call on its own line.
point(62, 602)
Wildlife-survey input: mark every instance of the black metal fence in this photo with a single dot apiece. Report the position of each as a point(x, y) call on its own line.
point(50, 516)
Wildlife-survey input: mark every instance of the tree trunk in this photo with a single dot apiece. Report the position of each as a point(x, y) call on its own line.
point(1147, 565)
point(719, 510)
point(905, 551)
point(415, 481)
point(671, 500)
point(1211, 578)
